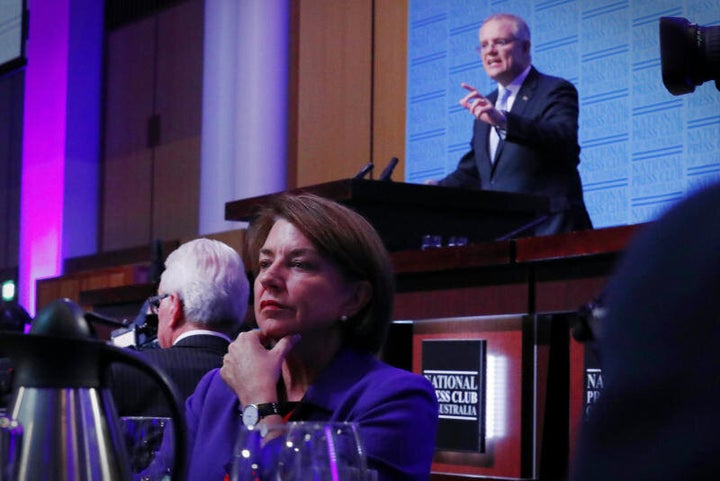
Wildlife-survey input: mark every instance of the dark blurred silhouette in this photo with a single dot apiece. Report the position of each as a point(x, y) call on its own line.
point(13, 318)
point(659, 411)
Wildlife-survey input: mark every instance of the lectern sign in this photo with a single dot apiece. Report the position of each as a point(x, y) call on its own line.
point(593, 384)
point(456, 368)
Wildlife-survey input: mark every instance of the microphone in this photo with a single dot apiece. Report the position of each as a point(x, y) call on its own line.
point(387, 172)
point(365, 169)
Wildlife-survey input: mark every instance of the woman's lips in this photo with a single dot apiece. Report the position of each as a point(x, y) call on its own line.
point(271, 305)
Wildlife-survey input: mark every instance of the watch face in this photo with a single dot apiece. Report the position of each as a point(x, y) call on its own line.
point(250, 415)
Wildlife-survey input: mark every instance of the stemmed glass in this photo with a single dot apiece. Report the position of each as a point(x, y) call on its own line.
point(10, 446)
point(144, 437)
point(300, 451)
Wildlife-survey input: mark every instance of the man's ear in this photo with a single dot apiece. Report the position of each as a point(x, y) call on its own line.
point(177, 314)
point(526, 47)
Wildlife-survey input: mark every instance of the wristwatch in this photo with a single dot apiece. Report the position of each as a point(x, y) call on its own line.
point(253, 413)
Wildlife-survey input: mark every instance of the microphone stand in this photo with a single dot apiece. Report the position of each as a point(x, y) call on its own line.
point(364, 171)
point(525, 227)
point(387, 171)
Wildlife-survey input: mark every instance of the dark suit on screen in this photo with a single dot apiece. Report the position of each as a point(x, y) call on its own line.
point(539, 155)
point(188, 360)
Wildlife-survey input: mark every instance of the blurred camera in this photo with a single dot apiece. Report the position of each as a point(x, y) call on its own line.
point(139, 335)
point(586, 326)
point(689, 54)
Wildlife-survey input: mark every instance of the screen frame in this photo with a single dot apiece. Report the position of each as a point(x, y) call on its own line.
point(20, 60)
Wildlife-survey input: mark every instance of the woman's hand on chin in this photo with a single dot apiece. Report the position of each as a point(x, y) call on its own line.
point(251, 369)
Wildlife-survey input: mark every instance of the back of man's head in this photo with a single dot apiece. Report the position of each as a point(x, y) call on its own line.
point(210, 279)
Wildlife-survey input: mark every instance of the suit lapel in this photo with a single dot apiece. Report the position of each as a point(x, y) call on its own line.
point(522, 99)
point(526, 92)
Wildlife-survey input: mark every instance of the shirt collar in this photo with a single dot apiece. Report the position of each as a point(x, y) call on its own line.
point(204, 332)
point(517, 82)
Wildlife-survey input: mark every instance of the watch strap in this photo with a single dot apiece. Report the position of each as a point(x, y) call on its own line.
point(267, 409)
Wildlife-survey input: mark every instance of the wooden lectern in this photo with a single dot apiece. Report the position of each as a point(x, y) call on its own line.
point(402, 212)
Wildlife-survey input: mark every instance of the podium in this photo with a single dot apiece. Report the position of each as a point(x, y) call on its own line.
point(402, 212)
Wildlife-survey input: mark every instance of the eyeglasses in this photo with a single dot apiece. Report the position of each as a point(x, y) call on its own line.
point(154, 302)
point(501, 42)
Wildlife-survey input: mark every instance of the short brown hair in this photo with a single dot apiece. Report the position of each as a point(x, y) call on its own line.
point(344, 237)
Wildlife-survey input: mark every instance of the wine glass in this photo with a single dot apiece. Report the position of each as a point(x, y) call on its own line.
point(10, 446)
point(144, 437)
point(300, 451)
point(321, 452)
point(252, 456)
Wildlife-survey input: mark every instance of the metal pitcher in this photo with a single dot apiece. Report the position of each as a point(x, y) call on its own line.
point(71, 429)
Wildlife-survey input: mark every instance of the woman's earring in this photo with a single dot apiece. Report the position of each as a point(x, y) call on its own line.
point(343, 318)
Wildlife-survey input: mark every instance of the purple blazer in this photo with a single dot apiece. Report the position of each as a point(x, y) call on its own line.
point(396, 411)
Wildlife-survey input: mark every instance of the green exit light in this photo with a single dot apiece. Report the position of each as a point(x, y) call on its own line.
point(8, 290)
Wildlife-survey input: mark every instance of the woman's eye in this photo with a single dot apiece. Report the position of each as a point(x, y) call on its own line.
point(264, 263)
point(300, 264)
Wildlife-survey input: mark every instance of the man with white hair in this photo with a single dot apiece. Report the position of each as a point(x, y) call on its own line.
point(201, 305)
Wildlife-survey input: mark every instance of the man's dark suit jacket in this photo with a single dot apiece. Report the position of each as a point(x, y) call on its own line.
point(539, 156)
point(135, 394)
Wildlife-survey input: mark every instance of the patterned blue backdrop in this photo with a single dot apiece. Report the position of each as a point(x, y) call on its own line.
point(643, 148)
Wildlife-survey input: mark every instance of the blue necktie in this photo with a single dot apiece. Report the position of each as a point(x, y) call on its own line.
point(494, 140)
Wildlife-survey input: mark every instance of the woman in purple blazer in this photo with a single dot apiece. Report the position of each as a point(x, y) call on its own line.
point(323, 302)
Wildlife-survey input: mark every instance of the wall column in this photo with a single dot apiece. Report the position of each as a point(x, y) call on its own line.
point(245, 105)
point(59, 186)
